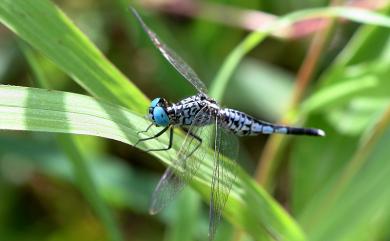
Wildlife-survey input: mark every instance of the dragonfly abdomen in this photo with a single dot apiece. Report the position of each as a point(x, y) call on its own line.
point(242, 124)
point(237, 122)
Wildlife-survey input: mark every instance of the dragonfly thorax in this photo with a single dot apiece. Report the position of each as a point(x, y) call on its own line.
point(198, 110)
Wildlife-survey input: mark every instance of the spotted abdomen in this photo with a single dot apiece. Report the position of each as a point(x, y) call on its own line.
point(242, 124)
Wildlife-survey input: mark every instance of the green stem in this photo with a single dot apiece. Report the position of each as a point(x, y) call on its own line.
point(220, 82)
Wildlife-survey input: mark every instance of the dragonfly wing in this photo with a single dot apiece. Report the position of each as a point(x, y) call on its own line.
point(166, 190)
point(224, 173)
point(180, 65)
point(185, 166)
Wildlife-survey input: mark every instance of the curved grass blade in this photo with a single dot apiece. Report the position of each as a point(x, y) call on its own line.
point(46, 28)
point(72, 148)
point(31, 109)
point(218, 86)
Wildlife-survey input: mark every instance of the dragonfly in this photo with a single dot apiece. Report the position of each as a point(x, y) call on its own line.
point(195, 115)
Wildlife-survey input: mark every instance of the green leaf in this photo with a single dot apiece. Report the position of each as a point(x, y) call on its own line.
point(310, 174)
point(360, 71)
point(255, 38)
point(45, 27)
point(72, 147)
point(342, 197)
point(351, 204)
point(53, 111)
point(185, 217)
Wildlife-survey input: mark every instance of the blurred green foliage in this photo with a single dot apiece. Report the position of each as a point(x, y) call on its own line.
point(334, 188)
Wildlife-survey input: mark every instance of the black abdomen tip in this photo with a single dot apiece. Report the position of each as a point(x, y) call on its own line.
point(306, 131)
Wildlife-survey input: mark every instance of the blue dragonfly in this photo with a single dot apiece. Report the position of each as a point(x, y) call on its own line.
point(195, 115)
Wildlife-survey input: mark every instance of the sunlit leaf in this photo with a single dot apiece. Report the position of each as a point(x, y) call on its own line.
point(53, 111)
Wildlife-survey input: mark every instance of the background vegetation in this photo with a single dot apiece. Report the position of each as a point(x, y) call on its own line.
point(320, 64)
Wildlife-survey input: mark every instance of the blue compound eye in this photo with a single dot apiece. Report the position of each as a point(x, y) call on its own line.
point(154, 102)
point(160, 116)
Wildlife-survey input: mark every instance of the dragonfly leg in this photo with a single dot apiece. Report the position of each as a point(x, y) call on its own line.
point(149, 138)
point(147, 129)
point(193, 135)
point(169, 145)
point(197, 138)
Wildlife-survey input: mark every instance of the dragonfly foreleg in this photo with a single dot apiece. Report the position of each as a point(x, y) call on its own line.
point(150, 138)
point(169, 145)
point(147, 129)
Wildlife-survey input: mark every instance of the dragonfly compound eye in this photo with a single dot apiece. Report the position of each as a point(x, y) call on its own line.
point(155, 102)
point(160, 116)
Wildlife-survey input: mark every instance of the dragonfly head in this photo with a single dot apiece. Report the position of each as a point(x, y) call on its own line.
point(158, 112)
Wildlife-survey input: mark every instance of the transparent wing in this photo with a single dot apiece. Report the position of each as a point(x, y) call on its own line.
point(166, 190)
point(224, 173)
point(182, 67)
point(186, 166)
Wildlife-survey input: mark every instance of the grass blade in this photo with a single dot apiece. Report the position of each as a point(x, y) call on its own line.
point(32, 109)
point(72, 148)
point(45, 27)
point(255, 38)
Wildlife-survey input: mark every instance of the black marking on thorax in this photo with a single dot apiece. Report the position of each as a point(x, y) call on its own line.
point(199, 110)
